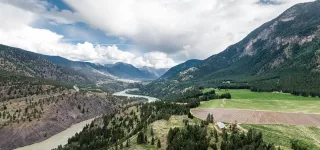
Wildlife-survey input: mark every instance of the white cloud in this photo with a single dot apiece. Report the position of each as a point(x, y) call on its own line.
point(13, 17)
point(154, 59)
point(207, 26)
point(16, 32)
point(46, 10)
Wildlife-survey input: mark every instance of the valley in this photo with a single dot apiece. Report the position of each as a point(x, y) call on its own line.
point(261, 93)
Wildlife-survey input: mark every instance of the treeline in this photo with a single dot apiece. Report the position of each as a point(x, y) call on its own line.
point(192, 97)
point(195, 137)
point(300, 84)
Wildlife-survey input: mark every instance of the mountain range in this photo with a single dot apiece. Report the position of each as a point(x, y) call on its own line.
point(61, 69)
point(117, 70)
point(280, 55)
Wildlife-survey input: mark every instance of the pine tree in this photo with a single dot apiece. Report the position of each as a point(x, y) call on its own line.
point(215, 133)
point(151, 132)
point(190, 115)
point(208, 119)
point(127, 143)
point(159, 144)
point(211, 118)
point(140, 138)
point(145, 139)
point(152, 141)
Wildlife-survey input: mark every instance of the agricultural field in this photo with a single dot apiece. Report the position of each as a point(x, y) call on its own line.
point(258, 117)
point(268, 113)
point(280, 102)
point(283, 134)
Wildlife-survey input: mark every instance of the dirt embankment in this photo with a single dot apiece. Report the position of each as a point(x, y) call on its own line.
point(258, 117)
point(56, 117)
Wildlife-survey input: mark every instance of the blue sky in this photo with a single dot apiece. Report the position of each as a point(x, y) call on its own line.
point(153, 33)
point(80, 32)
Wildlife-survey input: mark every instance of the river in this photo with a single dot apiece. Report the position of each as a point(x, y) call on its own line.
point(58, 139)
point(62, 137)
point(124, 93)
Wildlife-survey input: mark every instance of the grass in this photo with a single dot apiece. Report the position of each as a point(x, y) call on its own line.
point(245, 99)
point(281, 135)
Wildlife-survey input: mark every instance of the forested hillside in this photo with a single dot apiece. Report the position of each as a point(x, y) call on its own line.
point(33, 65)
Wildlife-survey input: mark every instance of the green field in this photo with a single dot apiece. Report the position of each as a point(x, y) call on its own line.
point(282, 134)
point(245, 99)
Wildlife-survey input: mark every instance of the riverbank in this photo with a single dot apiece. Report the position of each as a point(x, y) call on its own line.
point(58, 139)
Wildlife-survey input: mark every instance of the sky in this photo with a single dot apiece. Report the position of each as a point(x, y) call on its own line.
point(153, 33)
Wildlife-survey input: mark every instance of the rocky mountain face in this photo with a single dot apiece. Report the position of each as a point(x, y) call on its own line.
point(282, 55)
point(38, 118)
point(181, 69)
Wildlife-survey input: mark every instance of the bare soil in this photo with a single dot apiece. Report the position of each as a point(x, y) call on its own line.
point(258, 117)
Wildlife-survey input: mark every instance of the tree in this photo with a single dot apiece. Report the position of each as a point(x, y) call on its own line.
point(127, 143)
point(159, 144)
point(152, 141)
point(140, 138)
point(190, 115)
point(215, 133)
point(208, 119)
point(233, 127)
point(145, 139)
point(151, 132)
point(211, 118)
point(121, 146)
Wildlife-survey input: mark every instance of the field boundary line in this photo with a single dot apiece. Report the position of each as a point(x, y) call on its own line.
point(260, 110)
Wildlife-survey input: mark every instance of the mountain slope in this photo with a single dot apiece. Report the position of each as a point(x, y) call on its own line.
point(92, 71)
point(282, 55)
point(34, 65)
point(174, 71)
point(270, 47)
point(124, 70)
